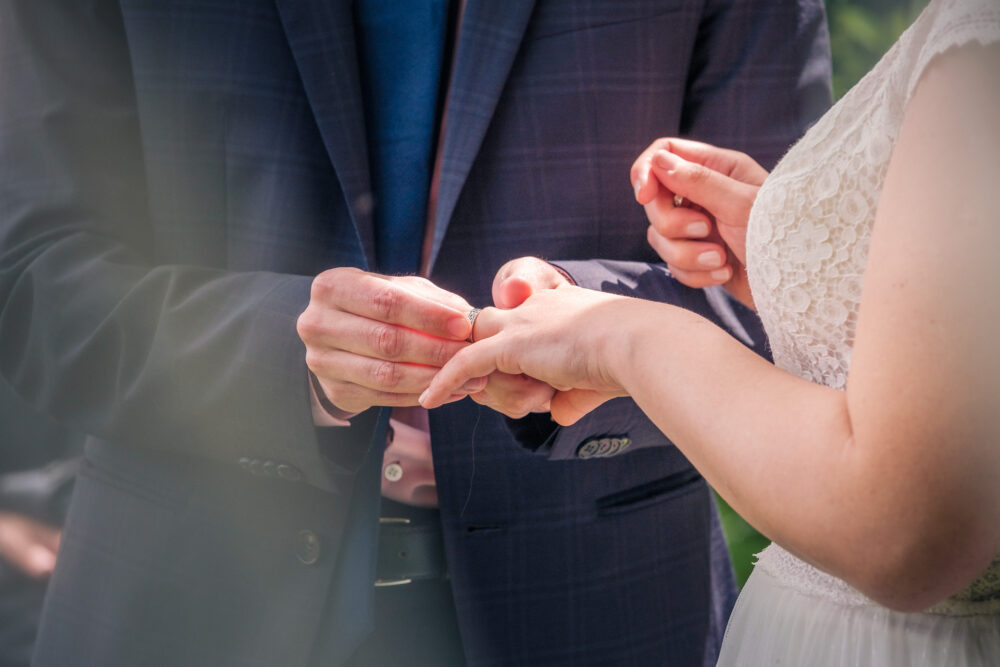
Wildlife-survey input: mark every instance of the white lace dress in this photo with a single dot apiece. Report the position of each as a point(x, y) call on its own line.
point(807, 246)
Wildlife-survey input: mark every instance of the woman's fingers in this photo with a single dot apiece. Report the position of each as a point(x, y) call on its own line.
point(678, 221)
point(474, 361)
point(724, 197)
point(644, 183)
point(514, 395)
point(734, 164)
point(694, 263)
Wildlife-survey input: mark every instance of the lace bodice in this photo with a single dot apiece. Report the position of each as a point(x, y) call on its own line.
point(809, 231)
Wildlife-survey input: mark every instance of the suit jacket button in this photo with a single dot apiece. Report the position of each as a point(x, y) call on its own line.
point(307, 547)
point(621, 444)
point(244, 463)
point(606, 449)
point(289, 473)
point(270, 468)
point(602, 448)
point(588, 449)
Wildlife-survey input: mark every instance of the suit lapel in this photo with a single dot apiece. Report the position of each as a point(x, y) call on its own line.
point(488, 42)
point(321, 37)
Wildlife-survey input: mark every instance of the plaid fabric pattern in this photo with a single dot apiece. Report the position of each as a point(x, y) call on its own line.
point(173, 174)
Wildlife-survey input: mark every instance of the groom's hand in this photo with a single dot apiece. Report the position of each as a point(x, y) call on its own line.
point(378, 340)
point(518, 395)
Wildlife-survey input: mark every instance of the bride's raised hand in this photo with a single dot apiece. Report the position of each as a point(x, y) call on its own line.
point(565, 337)
point(702, 240)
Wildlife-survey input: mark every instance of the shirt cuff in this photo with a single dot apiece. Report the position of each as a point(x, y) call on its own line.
point(324, 412)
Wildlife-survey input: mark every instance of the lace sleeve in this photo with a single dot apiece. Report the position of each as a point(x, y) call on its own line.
point(957, 23)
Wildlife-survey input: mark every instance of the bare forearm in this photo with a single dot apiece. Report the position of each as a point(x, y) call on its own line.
point(786, 454)
point(764, 438)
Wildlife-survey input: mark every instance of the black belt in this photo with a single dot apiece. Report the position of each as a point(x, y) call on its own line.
point(409, 552)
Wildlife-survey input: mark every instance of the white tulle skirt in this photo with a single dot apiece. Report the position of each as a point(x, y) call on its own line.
point(775, 622)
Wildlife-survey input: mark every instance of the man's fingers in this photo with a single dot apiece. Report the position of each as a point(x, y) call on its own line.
point(370, 338)
point(392, 301)
point(28, 545)
point(722, 196)
point(337, 366)
point(428, 289)
point(354, 398)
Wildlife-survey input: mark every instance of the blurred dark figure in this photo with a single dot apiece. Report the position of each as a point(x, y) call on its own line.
point(38, 460)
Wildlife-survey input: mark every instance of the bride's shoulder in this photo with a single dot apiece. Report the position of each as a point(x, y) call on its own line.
point(943, 27)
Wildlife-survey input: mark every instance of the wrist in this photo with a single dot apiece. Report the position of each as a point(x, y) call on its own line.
point(325, 413)
point(615, 345)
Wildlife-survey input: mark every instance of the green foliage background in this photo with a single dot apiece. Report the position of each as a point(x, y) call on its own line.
point(860, 33)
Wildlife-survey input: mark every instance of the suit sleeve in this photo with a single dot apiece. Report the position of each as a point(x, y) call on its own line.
point(620, 420)
point(759, 76)
point(92, 329)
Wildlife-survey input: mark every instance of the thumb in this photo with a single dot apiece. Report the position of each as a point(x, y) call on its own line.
point(723, 197)
point(569, 407)
point(512, 292)
point(520, 278)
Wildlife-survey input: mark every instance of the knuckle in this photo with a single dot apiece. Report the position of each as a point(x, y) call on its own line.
point(420, 281)
point(385, 302)
point(345, 396)
point(388, 341)
point(441, 353)
point(322, 285)
point(314, 360)
point(386, 374)
point(306, 325)
point(696, 173)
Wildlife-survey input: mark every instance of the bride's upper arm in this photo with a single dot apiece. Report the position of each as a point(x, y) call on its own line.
point(924, 386)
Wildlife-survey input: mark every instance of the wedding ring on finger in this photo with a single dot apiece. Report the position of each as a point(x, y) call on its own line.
point(472, 315)
point(678, 201)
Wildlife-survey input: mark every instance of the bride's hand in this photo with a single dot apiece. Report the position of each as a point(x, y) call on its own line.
point(564, 337)
point(703, 241)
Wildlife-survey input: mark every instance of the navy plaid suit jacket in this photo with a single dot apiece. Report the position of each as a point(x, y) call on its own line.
point(174, 172)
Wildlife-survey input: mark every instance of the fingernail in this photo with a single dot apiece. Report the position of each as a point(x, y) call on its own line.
point(666, 160)
point(697, 229)
point(709, 259)
point(423, 398)
point(640, 182)
point(722, 274)
point(458, 328)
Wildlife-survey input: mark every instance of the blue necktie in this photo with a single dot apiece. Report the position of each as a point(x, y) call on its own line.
point(401, 49)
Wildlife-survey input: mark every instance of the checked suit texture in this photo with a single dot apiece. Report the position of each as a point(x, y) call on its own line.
point(175, 172)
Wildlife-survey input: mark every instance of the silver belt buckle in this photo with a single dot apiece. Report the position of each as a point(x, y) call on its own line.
point(385, 583)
